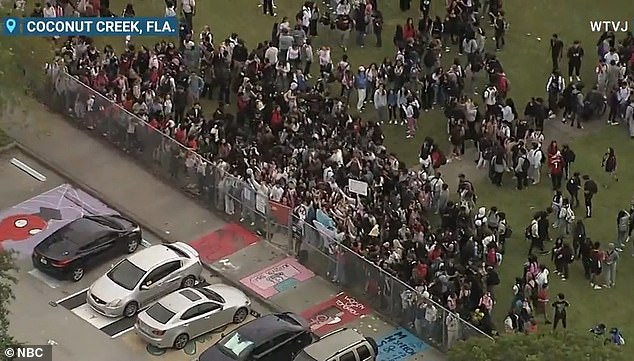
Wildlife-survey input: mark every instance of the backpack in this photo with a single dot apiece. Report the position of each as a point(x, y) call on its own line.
point(543, 159)
point(570, 215)
point(528, 232)
point(525, 165)
point(416, 111)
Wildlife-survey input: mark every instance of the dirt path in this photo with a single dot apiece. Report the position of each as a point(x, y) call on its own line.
point(555, 130)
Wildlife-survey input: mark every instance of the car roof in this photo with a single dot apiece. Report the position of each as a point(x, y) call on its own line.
point(264, 328)
point(330, 344)
point(149, 257)
point(79, 232)
point(182, 300)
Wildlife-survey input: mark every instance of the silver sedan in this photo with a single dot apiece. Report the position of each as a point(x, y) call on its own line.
point(139, 280)
point(188, 313)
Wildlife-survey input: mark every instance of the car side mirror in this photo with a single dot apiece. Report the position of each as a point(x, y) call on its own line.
point(145, 287)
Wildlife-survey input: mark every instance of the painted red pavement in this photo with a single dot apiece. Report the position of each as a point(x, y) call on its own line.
point(223, 242)
point(335, 313)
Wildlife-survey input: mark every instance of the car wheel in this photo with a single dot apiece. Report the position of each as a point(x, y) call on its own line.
point(77, 274)
point(181, 341)
point(189, 281)
point(240, 315)
point(133, 244)
point(130, 309)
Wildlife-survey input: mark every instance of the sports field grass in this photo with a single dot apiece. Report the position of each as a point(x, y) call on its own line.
point(527, 63)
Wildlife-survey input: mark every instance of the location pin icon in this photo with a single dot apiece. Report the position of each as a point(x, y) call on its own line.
point(10, 24)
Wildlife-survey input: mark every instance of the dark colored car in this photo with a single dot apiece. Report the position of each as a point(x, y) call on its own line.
point(274, 337)
point(84, 243)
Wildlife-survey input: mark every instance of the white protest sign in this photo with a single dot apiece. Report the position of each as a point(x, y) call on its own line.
point(358, 187)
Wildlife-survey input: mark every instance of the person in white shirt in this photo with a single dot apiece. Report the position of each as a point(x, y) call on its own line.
point(170, 9)
point(411, 121)
point(277, 192)
point(611, 55)
point(535, 158)
point(189, 10)
point(325, 61)
point(49, 11)
point(380, 103)
point(490, 98)
point(271, 54)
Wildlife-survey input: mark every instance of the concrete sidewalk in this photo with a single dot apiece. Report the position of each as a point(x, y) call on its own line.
point(258, 267)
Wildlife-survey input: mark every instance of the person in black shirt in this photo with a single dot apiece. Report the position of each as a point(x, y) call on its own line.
point(573, 186)
point(575, 55)
point(589, 190)
point(569, 158)
point(37, 12)
point(500, 31)
point(560, 306)
point(556, 51)
point(425, 7)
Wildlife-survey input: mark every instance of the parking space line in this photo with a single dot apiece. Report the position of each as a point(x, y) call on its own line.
point(75, 300)
point(86, 313)
point(41, 276)
point(145, 243)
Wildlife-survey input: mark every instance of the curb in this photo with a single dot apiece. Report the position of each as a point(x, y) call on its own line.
point(8, 147)
point(91, 191)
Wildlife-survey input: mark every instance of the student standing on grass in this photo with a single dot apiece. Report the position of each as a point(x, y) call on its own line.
point(596, 265)
point(575, 56)
point(543, 298)
point(611, 259)
point(609, 165)
point(573, 186)
point(188, 8)
point(560, 306)
point(622, 228)
point(556, 51)
point(590, 188)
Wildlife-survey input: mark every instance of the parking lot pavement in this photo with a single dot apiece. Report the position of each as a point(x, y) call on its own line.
point(17, 185)
point(42, 314)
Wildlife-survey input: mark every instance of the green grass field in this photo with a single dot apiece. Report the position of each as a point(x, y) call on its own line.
point(527, 62)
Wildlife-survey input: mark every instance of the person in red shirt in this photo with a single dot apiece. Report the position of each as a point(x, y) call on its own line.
point(556, 166)
point(276, 120)
point(192, 143)
point(409, 31)
point(181, 134)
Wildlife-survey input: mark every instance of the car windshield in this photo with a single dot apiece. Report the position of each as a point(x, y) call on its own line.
point(212, 295)
point(236, 346)
point(303, 356)
point(126, 274)
point(107, 221)
point(159, 313)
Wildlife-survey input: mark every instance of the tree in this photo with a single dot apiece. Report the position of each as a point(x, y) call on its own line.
point(7, 281)
point(550, 346)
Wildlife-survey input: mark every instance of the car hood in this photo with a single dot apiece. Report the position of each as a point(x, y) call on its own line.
point(106, 290)
point(232, 295)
